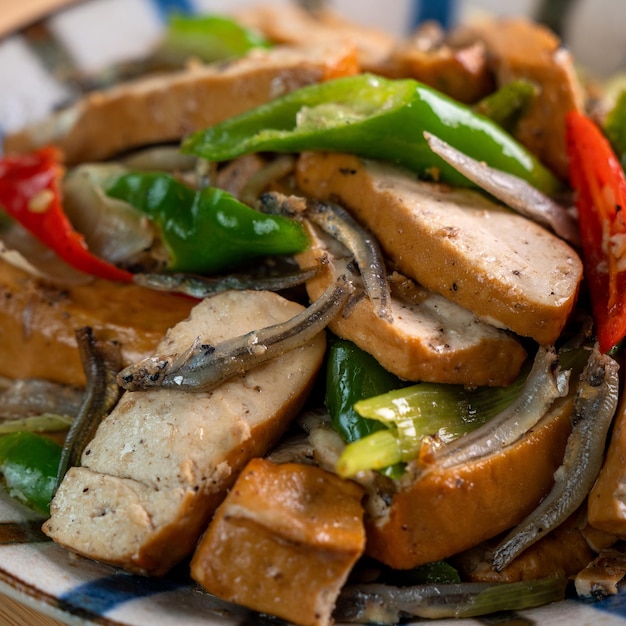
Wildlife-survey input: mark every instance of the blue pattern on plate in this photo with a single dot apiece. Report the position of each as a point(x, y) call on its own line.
point(109, 592)
point(167, 7)
point(442, 11)
point(104, 594)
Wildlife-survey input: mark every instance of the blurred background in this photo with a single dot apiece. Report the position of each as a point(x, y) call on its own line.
point(90, 35)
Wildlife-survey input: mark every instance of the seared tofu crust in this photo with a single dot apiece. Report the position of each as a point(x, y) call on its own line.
point(429, 339)
point(506, 269)
point(283, 542)
point(38, 323)
point(162, 461)
point(438, 513)
point(167, 107)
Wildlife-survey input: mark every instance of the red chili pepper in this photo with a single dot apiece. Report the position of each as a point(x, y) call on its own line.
point(30, 193)
point(598, 179)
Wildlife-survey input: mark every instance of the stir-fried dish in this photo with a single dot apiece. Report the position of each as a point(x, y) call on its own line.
point(332, 318)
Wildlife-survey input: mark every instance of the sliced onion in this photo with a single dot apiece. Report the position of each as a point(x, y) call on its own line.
point(513, 191)
point(113, 229)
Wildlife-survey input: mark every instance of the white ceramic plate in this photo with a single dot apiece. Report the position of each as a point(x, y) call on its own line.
point(35, 77)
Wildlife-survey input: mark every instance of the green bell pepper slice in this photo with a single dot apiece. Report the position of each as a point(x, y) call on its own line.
point(375, 118)
point(208, 230)
point(352, 375)
point(29, 464)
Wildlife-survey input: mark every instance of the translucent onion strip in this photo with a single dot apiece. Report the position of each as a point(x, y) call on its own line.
point(511, 190)
point(32, 396)
point(205, 286)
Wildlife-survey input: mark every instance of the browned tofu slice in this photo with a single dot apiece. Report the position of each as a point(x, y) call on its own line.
point(438, 513)
point(602, 577)
point(562, 550)
point(291, 24)
point(283, 542)
point(162, 460)
point(506, 269)
point(430, 337)
point(38, 323)
point(165, 108)
point(520, 49)
point(607, 499)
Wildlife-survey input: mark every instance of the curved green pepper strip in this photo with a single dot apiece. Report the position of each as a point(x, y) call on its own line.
point(29, 464)
point(375, 118)
point(352, 375)
point(507, 105)
point(209, 37)
point(208, 230)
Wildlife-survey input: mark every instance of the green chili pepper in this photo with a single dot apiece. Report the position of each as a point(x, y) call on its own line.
point(208, 230)
point(375, 118)
point(29, 464)
point(508, 104)
point(615, 127)
point(352, 375)
point(209, 38)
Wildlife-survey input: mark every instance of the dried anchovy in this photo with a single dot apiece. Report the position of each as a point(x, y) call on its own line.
point(376, 603)
point(101, 361)
point(337, 222)
point(544, 384)
point(594, 407)
point(515, 192)
point(204, 286)
point(202, 367)
point(33, 396)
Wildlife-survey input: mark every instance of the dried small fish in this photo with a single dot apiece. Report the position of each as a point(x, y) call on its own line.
point(338, 223)
point(544, 384)
point(202, 367)
point(101, 361)
point(32, 396)
point(376, 603)
point(594, 407)
point(205, 286)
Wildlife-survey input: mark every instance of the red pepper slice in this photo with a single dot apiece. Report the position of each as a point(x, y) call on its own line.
point(30, 193)
point(598, 179)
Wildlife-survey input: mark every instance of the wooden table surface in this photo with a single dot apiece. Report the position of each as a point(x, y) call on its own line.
point(14, 614)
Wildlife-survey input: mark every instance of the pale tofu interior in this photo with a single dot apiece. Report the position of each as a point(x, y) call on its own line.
point(163, 459)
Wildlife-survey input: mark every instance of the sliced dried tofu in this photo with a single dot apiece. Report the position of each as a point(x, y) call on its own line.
point(602, 577)
point(520, 49)
point(606, 508)
point(38, 323)
point(291, 24)
point(462, 72)
point(161, 462)
point(504, 268)
point(283, 542)
point(562, 550)
point(165, 108)
point(438, 513)
point(429, 339)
